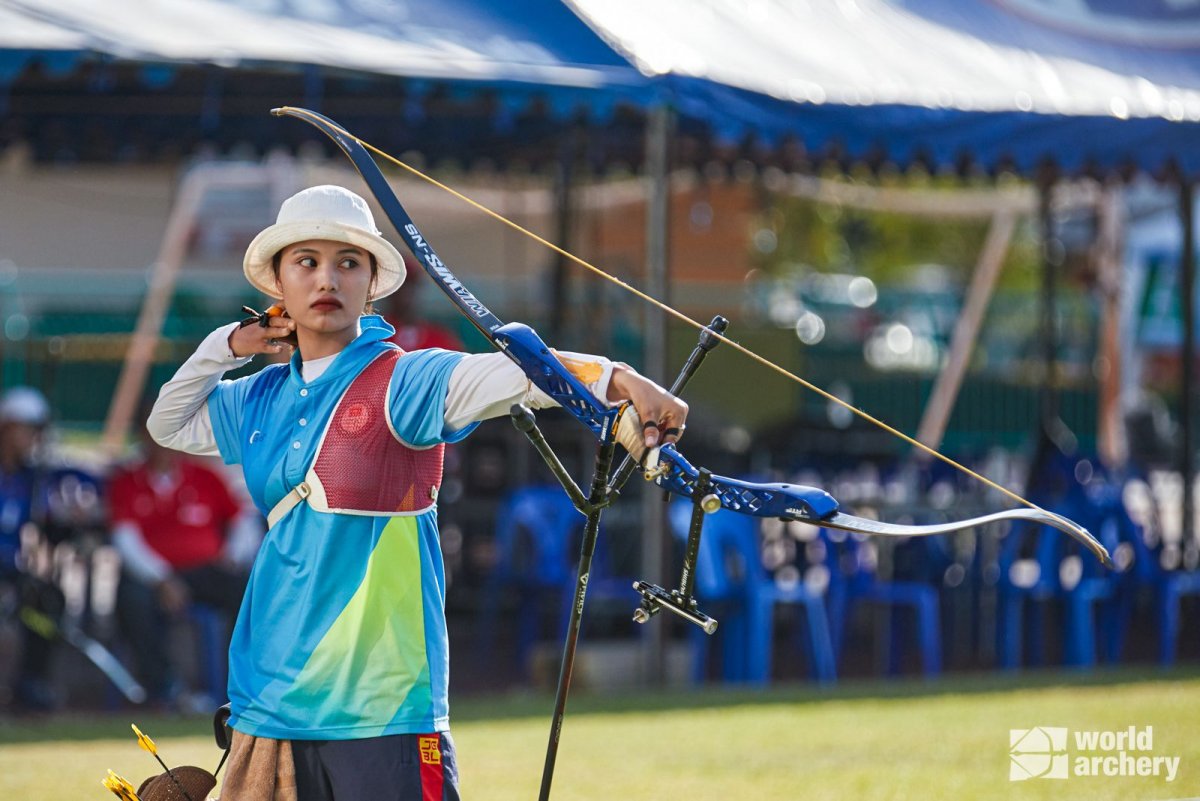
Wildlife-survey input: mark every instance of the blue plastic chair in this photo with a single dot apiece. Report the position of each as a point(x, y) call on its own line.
point(537, 546)
point(212, 654)
point(1172, 588)
point(730, 572)
point(1096, 589)
point(858, 584)
point(1103, 513)
point(1169, 587)
point(721, 569)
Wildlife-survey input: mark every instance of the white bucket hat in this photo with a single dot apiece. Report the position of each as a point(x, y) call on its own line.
point(323, 212)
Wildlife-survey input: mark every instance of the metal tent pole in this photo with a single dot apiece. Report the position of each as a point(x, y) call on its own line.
point(1048, 401)
point(1187, 280)
point(659, 125)
point(564, 185)
point(1110, 434)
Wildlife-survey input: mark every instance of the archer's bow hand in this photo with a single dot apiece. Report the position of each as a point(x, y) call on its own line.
point(656, 418)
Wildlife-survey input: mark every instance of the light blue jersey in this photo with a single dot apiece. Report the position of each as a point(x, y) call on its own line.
point(342, 632)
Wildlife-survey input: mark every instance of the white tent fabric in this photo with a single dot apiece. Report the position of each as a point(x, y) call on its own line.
point(23, 32)
point(391, 38)
point(874, 52)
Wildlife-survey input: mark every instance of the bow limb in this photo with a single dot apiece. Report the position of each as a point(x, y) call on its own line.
point(670, 470)
point(863, 525)
point(470, 306)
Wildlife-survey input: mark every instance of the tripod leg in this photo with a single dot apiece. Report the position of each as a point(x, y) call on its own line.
point(604, 458)
point(525, 422)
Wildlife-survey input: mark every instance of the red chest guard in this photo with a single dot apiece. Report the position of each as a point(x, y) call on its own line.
point(362, 466)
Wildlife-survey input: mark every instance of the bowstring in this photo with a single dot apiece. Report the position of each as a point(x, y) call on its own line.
point(678, 315)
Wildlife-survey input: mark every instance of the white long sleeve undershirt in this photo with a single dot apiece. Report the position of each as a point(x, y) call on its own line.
point(482, 386)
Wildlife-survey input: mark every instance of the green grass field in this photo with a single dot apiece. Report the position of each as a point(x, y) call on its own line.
point(860, 741)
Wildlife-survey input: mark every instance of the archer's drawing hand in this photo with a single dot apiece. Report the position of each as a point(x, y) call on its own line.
point(277, 335)
point(660, 416)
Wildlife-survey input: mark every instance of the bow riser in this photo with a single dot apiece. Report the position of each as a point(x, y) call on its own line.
point(523, 345)
point(672, 472)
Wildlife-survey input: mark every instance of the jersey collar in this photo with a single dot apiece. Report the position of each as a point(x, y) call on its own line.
point(375, 332)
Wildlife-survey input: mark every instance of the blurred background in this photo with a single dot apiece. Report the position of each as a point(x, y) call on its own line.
point(973, 220)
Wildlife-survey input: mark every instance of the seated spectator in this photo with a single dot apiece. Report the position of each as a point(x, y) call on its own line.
point(24, 414)
point(183, 539)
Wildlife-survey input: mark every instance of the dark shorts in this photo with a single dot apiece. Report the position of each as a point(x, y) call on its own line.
point(400, 767)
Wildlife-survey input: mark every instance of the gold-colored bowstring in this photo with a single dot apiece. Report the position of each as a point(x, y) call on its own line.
point(678, 315)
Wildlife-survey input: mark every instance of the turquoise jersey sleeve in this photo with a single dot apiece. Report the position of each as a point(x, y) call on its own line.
point(226, 409)
point(418, 397)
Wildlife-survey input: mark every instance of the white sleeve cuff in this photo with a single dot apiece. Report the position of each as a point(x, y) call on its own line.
point(180, 418)
point(486, 385)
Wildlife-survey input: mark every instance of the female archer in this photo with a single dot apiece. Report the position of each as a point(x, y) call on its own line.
point(338, 665)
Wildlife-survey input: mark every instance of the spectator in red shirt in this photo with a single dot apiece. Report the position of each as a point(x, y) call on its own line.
point(183, 539)
point(412, 332)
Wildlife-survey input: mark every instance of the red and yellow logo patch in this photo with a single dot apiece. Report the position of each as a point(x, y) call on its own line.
point(431, 754)
point(354, 418)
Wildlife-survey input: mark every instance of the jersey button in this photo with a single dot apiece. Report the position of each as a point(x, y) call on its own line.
point(302, 421)
point(304, 393)
point(296, 445)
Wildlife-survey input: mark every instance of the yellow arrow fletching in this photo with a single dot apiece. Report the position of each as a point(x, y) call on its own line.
point(120, 787)
point(145, 742)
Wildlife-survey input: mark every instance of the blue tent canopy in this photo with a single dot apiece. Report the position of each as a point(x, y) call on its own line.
point(1020, 141)
point(1155, 39)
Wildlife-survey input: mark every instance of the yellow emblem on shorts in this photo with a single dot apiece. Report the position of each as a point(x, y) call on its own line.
point(430, 753)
